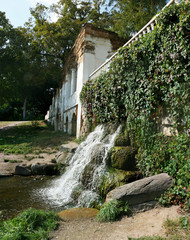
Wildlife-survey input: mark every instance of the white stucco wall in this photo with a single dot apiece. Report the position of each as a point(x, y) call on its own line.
point(66, 102)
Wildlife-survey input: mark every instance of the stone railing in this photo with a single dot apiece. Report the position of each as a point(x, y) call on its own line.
point(146, 29)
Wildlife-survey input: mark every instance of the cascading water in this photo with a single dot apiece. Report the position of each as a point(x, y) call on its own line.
point(79, 183)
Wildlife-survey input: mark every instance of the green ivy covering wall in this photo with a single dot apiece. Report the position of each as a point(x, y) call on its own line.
point(144, 81)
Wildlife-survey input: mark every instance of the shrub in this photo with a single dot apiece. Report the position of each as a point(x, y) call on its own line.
point(32, 224)
point(112, 211)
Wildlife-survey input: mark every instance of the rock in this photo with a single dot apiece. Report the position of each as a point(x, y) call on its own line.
point(69, 147)
point(78, 213)
point(141, 191)
point(123, 158)
point(60, 157)
point(44, 169)
point(22, 170)
point(122, 140)
point(115, 178)
point(143, 207)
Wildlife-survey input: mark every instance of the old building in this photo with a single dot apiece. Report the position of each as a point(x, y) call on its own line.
point(91, 49)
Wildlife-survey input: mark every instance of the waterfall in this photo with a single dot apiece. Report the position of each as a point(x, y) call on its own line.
point(78, 185)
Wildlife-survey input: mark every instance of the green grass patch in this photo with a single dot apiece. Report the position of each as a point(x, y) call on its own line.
point(112, 211)
point(178, 229)
point(31, 138)
point(32, 224)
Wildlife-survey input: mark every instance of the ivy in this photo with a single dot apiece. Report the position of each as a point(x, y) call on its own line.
point(145, 80)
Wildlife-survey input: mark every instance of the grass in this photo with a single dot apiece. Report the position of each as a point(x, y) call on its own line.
point(31, 138)
point(112, 210)
point(175, 230)
point(179, 229)
point(32, 224)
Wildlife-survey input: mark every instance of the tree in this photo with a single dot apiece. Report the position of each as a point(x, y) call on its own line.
point(32, 57)
point(131, 15)
point(24, 71)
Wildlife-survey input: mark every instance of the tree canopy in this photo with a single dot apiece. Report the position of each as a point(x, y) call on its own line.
point(32, 57)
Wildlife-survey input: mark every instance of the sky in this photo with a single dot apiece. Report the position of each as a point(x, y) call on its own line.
point(18, 11)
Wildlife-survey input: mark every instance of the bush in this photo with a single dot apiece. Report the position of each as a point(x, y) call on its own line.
point(32, 224)
point(112, 211)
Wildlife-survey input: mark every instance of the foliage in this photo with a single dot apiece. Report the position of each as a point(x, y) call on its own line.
point(32, 57)
point(32, 224)
point(178, 229)
point(171, 155)
point(112, 210)
point(25, 74)
point(133, 15)
point(146, 82)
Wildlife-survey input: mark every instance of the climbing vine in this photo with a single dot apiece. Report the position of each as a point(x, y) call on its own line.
point(145, 81)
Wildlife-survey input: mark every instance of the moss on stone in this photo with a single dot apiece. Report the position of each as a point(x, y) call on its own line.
point(115, 178)
point(123, 158)
point(122, 140)
point(78, 214)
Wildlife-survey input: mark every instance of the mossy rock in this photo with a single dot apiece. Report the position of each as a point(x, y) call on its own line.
point(123, 158)
point(126, 137)
point(115, 178)
point(78, 214)
point(122, 140)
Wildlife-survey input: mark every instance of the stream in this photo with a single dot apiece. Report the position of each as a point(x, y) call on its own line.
point(79, 186)
point(19, 193)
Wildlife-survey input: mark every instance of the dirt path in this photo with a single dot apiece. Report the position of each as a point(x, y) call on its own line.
point(9, 125)
point(148, 223)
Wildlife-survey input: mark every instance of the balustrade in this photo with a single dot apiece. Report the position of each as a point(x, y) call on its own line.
point(146, 29)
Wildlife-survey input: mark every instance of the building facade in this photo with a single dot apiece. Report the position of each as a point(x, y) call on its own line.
point(91, 49)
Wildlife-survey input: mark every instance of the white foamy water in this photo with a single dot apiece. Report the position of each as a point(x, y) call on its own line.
point(61, 191)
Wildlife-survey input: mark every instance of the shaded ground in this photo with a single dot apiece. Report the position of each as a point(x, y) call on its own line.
point(149, 223)
point(26, 143)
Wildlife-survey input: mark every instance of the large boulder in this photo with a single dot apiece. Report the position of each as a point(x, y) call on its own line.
point(66, 152)
point(143, 192)
point(123, 158)
point(44, 169)
point(69, 147)
point(115, 178)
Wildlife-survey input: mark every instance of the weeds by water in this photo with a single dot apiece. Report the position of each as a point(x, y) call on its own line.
point(32, 224)
point(31, 138)
point(112, 211)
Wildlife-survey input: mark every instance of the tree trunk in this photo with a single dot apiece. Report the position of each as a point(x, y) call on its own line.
point(24, 109)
